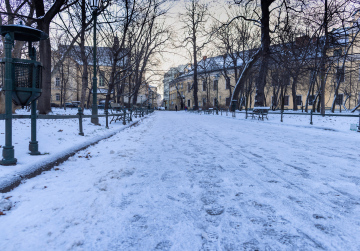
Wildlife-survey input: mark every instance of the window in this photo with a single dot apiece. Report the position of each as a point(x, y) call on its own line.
point(182, 94)
point(101, 78)
point(189, 87)
point(204, 86)
point(339, 99)
point(311, 99)
point(227, 101)
point(204, 101)
point(182, 86)
point(214, 102)
point(286, 100)
point(57, 82)
point(340, 74)
point(227, 83)
point(298, 100)
point(188, 103)
point(215, 84)
point(57, 96)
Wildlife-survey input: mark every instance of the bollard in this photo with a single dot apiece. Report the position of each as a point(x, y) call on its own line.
point(124, 122)
point(311, 114)
point(246, 113)
point(282, 115)
point(80, 113)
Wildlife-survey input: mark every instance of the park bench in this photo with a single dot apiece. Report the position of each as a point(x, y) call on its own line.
point(260, 112)
point(116, 107)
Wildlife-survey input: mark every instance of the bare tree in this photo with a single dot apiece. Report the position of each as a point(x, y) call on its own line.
point(195, 30)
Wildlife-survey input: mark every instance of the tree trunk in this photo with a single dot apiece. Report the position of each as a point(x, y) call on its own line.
point(293, 93)
point(195, 89)
point(44, 106)
point(265, 47)
point(323, 63)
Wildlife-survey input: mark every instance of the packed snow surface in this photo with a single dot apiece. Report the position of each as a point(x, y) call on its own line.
point(182, 181)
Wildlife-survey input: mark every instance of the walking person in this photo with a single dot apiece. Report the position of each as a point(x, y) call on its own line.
point(176, 107)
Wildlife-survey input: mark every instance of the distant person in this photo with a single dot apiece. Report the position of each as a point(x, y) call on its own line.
point(185, 108)
point(176, 107)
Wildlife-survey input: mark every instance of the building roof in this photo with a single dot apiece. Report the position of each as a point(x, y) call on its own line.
point(104, 55)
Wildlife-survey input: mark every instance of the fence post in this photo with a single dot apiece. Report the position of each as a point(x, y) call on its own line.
point(80, 113)
point(246, 115)
point(311, 114)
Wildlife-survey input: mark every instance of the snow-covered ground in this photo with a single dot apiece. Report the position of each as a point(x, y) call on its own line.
point(181, 181)
point(56, 138)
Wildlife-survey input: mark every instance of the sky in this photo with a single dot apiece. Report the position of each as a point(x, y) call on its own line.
point(176, 54)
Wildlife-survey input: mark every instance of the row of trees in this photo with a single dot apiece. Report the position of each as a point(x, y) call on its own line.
point(286, 40)
point(130, 36)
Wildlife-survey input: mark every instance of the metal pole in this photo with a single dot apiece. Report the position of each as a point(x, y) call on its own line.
point(80, 113)
point(124, 122)
point(33, 144)
point(217, 98)
point(94, 119)
point(8, 149)
point(107, 118)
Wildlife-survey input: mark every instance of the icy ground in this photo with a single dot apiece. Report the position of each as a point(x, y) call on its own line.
point(181, 181)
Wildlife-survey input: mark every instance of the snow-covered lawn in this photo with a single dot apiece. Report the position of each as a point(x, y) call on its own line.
point(181, 181)
point(56, 138)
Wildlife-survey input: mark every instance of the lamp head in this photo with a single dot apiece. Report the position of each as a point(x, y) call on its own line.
point(94, 4)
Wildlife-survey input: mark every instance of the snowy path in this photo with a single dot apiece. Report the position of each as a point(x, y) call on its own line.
point(193, 182)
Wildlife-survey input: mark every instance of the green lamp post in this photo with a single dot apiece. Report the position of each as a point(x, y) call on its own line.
point(22, 84)
point(94, 4)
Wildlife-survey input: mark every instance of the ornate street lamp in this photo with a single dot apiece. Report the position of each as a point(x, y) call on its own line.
point(94, 4)
point(22, 83)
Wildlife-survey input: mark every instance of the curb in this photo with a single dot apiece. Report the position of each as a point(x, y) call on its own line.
point(16, 180)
